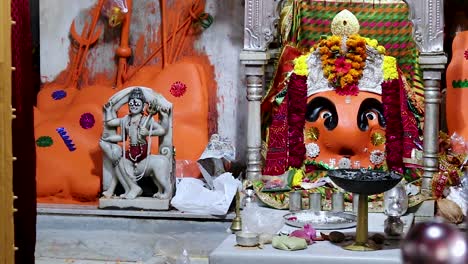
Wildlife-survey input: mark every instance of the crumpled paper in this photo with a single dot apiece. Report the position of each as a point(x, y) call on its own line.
point(218, 152)
point(193, 197)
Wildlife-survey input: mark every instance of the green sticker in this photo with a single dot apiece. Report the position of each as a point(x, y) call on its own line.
point(44, 141)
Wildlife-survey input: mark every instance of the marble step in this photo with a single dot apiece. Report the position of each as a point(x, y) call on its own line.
point(75, 238)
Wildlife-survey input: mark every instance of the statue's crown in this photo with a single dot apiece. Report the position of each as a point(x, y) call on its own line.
point(137, 93)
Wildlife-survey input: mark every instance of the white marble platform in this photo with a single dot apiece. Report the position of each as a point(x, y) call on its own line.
point(144, 203)
point(93, 210)
point(322, 252)
point(92, 239)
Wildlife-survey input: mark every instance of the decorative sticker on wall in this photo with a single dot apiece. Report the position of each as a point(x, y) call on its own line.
point(460, 83)
point(178, 89)
point(87, 120)
point(205, 20)
point(59, 94)
point(66, 138)
point(44, 141)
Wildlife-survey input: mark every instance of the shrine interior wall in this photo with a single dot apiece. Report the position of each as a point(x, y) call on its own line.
point(221, 42)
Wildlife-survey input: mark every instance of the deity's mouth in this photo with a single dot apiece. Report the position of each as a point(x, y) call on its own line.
point(346, 152)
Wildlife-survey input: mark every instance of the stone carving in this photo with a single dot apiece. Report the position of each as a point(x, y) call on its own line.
point(126, 145)
point(428, 24)
point(261, 17)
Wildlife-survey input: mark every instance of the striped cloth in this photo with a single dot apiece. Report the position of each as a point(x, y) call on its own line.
point(387, 23)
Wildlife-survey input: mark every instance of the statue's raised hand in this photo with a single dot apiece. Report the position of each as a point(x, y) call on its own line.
point(153, 107)
point(108, 106)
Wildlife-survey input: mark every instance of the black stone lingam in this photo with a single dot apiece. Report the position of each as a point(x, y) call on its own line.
point(363, 182)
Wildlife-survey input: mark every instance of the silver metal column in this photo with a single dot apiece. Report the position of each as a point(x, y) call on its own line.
point(428, 33)
point(255, 76)
point(259, 29)
point(432, 66)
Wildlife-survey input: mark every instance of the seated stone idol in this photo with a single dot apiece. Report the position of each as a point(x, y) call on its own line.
point(126, 143)
point(341, 105)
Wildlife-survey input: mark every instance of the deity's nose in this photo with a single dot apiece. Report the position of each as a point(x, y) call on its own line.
point(348, 139)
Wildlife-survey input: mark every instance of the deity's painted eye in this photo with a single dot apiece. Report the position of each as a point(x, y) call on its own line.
point(370, 109)
point(325, 114)
point(371, 116)
point(321, 107)
point(134, 103)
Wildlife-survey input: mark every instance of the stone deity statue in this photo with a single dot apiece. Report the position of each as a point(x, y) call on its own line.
point(126, 144)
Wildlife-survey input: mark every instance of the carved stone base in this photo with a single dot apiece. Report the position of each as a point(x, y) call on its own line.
point(145, 203)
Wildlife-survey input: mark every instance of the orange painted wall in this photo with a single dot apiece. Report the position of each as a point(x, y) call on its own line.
point(65, 176)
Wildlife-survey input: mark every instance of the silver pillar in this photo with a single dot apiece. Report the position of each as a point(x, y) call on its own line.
point(254, 63)
point(432, 65)
point(428, 33)
point(260, 18)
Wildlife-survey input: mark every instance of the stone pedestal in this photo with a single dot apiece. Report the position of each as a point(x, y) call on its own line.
point(145, 203)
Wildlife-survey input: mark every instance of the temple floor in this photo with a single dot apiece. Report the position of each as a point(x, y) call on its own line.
point(87, 235)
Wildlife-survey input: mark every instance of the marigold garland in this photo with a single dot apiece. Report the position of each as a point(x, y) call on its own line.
point(343, 69)
point(390, 68)
point(300, 65)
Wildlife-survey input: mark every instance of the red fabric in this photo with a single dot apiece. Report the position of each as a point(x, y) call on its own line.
point(24, 168)
point(137, 153)
point(411, 138)
point(276, 160)
point(285, 65)
point(277, 154)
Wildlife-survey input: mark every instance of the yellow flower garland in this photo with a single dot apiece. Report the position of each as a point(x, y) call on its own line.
point(300, 65)
point(375, 44)
point(390, 68)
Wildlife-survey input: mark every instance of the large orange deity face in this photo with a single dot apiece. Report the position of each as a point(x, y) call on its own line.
point(345, 131)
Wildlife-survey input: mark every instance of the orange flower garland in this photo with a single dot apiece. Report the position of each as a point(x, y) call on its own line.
point(343, 69)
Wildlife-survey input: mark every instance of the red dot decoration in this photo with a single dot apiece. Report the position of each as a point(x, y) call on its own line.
point(466, 54)
point(178, 89)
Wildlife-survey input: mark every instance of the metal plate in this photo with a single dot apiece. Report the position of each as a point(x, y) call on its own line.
point(321, 219)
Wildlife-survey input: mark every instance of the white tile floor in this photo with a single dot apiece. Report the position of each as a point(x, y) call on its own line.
point(42, 260)
point(75, 261)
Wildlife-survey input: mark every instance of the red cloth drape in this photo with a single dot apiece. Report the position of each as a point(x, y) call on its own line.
point(24, 168)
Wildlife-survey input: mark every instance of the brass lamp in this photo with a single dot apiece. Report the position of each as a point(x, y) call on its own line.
point(364, 182)
point(236, 224)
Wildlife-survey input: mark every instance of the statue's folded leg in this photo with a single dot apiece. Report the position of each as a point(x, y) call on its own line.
point(133, 190)
point(110, 191)
point(159, 171)
point(113, 152)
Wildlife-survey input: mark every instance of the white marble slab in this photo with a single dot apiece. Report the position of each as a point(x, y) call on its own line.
point(145, 203)
point(93, 210)
point(322, 252)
